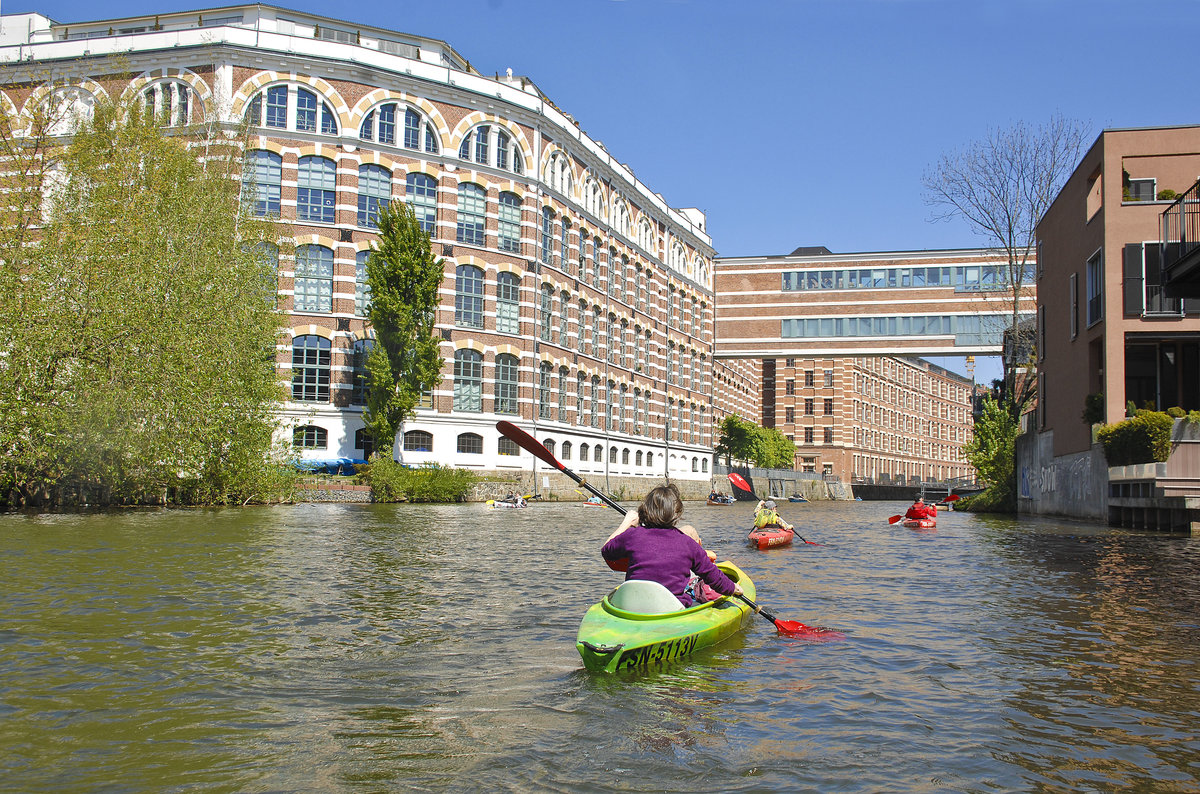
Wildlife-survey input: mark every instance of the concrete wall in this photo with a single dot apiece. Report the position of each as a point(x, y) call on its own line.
point(1074, 485)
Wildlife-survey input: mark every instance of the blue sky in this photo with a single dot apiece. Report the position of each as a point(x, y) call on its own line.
point(802, 122)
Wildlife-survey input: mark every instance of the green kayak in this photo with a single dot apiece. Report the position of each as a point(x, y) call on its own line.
point(629, 628)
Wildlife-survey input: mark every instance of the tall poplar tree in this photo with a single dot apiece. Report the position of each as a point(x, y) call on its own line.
point(405, 362)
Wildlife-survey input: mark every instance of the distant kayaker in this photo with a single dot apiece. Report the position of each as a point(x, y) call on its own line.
point(920, 510)
point(765, 515)
point(659, 551)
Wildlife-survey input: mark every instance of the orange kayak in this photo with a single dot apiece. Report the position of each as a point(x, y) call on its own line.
point(768, 537)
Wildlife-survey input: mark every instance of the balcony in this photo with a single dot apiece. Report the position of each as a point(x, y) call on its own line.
point(1181, 245)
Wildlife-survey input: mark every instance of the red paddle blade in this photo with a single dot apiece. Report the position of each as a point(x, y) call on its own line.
point(952, 498)
point(794, 628)
point(739, 481)
point(894, 519)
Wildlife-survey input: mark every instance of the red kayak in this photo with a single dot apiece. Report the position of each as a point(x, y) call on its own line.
point(767, 537)
point(920, 523)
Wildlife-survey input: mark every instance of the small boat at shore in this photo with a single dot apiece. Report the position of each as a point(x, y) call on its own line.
point(770, 536)
point(641, 624)
point(501, 504)
point(593, 503)
point(797, 498)
point(723, 501)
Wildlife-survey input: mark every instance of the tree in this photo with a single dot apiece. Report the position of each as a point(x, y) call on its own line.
point(992, 451)
point(744, 440)
point(137, 336)
point(405, 362)
point(1002, 185)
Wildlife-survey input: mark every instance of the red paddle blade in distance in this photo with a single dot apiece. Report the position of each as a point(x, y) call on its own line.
point(739, 481)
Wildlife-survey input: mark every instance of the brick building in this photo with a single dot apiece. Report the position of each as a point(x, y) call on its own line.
point(575, 302)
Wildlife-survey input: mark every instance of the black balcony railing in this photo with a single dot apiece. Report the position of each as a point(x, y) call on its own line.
point(1181, 245)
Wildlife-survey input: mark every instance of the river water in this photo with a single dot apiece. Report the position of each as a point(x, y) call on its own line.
point(349, 648)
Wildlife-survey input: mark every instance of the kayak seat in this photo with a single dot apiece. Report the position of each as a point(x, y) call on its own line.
point(645, 597)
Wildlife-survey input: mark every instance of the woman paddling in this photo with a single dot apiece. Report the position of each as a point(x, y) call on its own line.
point(921, 511)
point(659, 551)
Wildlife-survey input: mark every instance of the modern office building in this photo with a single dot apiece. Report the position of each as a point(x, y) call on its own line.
point(1108, 324)
point(576, 301)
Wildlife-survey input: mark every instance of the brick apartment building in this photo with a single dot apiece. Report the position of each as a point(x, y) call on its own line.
point(575, 302)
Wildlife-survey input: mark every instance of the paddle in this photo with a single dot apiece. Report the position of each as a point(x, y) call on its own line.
point(740, 482)
point(534, 447)
point(795, 628)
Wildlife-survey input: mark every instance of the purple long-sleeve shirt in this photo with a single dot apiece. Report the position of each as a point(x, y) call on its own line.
point(666, 556)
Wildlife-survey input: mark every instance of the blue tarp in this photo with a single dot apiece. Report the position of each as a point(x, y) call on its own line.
point(328, 465)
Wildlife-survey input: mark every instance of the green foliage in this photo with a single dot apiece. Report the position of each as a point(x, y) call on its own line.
point(1093, 409)
point(992, 451)
point(1167, 194)
point(137, 338)
point(744, 440)
point(404, 277)
point(393, 482)
point(1143, 438)
point(1175, 412)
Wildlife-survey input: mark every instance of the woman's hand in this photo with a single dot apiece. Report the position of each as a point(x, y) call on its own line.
point(737, 589)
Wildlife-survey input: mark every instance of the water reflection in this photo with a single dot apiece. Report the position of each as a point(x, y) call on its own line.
point(372, 647)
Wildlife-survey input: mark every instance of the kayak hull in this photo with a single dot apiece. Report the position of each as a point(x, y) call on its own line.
point(920, 523)
point(612, 639)
point(719, 503)
point(769, 537)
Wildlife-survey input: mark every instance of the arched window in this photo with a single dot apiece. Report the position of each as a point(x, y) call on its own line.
point(420, 191)
point(625, 457)
point(261, 181)
point(549, 445)
point(547, 236)
point(704, 465)
point(649, 459)
point(488, 144)
point(468, 380)
point(468, 296)
point(597, 454)
point(374, 193)
point(546, 311)
point(638, 461)
point(566, 450)
point(508, 303)
point(364, 442)
point(472, 207)
point(380, 125)
point(67, 107)
point(291, 107)
point(310, 437)
point(506, 384)
point(646, 236)
point(564, 317)
point(316, 182)
point(579, 404)
point(595, 401)
point(362, 288)
point(695, 464)
point(418, 441)
point(507, 446)
point(310, 368)
point(583, 452)
point(593, 198)
point(564, 261)
point(509, 223)
point(313, 284)
point(620, 217)
point(612, 454)
point(544, 382)
point(558, 173)
point(563, 375)
point(172, 103)
point(358, 356)
point(470, 444)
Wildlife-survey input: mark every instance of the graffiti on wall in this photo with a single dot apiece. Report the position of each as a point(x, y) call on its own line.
point(1069, 480)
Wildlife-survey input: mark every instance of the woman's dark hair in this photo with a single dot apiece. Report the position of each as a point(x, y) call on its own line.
point(662, 507)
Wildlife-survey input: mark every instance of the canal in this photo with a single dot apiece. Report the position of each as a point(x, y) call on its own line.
point(350, 648)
